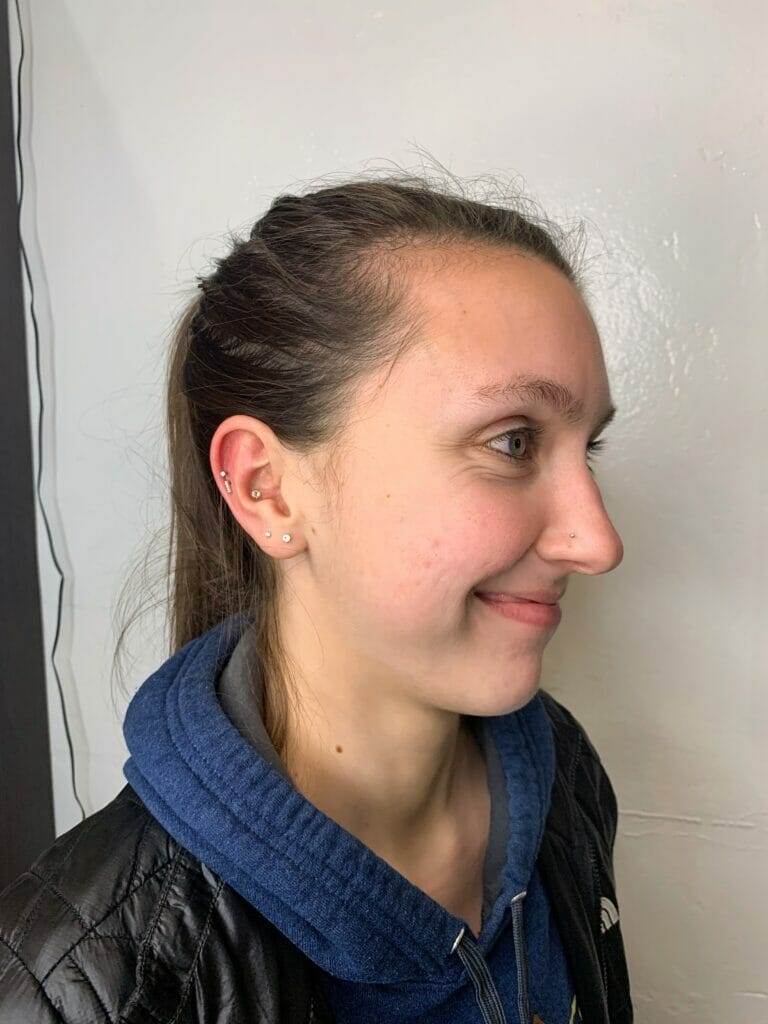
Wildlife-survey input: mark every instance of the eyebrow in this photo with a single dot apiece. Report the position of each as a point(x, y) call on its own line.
point(542, 391)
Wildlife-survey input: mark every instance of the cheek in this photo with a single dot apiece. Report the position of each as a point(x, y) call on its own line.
point(424, 569)
point(411, 553)
point(402, 572)
point(500, 540)
point(422, 575)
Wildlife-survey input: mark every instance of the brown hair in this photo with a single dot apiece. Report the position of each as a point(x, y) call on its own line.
point(284, 328)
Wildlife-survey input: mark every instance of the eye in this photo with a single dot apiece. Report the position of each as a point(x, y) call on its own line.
point(531, 445)
point(521, 451)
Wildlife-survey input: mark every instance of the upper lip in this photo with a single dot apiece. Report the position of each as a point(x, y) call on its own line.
point(541, 596)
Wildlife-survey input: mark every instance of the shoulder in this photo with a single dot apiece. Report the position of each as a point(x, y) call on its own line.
point(116, 918)
point(580, 767)
point(82, 903)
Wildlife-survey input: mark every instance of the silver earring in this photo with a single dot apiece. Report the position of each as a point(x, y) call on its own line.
point(255, 493)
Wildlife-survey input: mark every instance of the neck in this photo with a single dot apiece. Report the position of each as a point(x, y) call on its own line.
point(388, 774)
point(397, 773)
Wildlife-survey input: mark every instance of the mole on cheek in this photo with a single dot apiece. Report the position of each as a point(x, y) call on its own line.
point(338, 749)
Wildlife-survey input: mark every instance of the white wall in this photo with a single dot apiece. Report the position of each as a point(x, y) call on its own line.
point(151, 128)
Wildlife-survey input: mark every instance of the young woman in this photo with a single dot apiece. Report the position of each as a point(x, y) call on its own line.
point(348, 798)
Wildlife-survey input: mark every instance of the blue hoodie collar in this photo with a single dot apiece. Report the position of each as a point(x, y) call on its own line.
point(345, 907)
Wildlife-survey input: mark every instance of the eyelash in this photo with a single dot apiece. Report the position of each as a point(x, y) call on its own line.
point(533, 434)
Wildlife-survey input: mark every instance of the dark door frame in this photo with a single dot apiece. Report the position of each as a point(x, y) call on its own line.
point(27, 824)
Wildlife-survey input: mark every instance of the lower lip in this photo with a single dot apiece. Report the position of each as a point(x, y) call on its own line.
point(531, 612)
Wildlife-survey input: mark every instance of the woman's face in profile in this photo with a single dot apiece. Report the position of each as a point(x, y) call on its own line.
point(439, 503)
point(446, 490)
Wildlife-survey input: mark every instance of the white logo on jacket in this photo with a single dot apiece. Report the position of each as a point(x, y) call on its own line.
point(609, 914)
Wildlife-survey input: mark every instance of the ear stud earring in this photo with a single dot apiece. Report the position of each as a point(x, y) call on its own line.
point(255, 493)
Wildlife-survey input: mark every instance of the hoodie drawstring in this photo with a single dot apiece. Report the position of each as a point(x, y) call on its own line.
point(485, 990)
point(521, 957)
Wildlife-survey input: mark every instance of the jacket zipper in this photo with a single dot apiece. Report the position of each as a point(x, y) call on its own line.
point(595, 878)
point(598, 894)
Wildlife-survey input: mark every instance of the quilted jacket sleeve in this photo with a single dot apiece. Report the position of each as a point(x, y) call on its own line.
point(118, 922)
point(22, 997)
point(68, 924)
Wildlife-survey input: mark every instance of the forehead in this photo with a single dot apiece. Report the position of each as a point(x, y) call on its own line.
point(489, 319)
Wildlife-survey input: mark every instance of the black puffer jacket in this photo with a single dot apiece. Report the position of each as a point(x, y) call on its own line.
point(116, 922)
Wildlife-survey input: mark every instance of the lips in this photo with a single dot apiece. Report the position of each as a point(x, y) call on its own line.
point(505, 598)
point(539, 614)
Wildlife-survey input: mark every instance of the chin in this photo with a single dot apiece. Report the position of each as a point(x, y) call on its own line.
point(502, 697)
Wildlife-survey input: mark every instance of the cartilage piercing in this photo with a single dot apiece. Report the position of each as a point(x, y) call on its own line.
point(255, 493)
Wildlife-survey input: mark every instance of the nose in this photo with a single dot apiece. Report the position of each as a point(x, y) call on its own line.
point(596, 547)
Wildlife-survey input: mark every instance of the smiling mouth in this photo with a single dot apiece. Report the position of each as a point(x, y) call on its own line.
point(521, 610)
point(504, 598)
